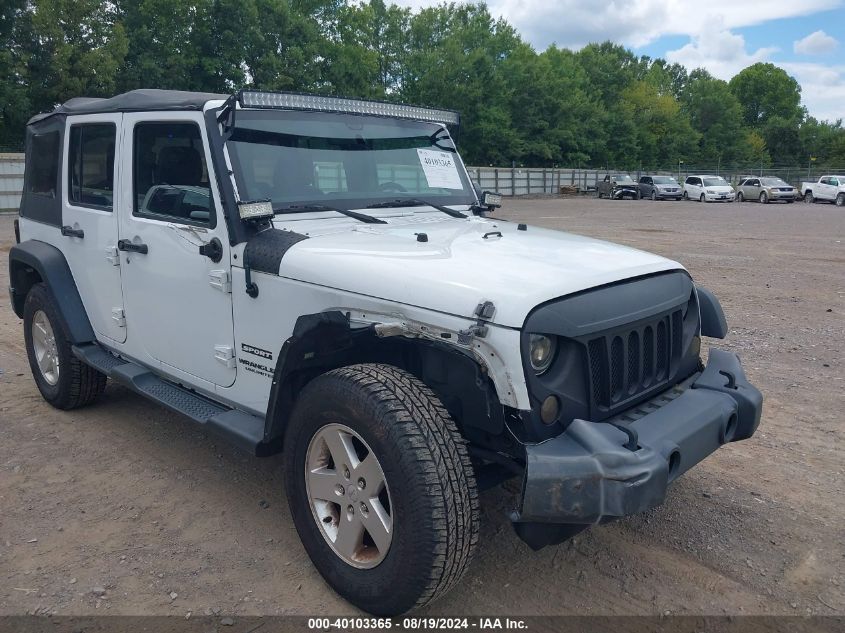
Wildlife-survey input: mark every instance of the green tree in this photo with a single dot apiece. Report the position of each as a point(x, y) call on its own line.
point(455, 60)
point(15, 28)
point(766, 91)
point(716, 114)
point(77, 50)
point(663, 132)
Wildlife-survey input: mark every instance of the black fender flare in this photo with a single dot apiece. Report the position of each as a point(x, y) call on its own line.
point(713, 321)
point(325, 340)
point(50, 266)
point(314, 336)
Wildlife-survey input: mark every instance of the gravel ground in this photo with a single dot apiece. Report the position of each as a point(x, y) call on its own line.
point(124, 508)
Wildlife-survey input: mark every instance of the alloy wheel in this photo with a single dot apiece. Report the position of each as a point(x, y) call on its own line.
point(46, 350)
point(349, 497)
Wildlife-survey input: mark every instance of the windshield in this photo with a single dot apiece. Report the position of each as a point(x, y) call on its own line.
point(622, 178)
point(775, 182)
point(715, 182)
point(294, 158)
point(665, 180)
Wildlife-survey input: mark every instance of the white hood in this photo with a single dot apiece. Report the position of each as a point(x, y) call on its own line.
point(457, 268)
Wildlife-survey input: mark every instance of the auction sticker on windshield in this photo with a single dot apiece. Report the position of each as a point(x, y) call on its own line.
point(440, 169)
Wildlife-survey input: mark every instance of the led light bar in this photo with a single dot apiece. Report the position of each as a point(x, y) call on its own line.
point(255, 210)
point(294, 101)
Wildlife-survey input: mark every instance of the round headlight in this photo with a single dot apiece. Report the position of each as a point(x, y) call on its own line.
point(541, 352)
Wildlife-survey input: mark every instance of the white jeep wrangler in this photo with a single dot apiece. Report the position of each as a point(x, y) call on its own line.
point(317, 276)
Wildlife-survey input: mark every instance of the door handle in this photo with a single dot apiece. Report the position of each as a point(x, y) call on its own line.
point(69, 231)
point(126, 245)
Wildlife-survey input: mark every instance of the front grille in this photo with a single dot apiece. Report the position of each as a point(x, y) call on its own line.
point(625, 364)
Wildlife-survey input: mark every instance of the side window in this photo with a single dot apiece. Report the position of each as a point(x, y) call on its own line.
point(753, 183)
point(169, 174)
point(91, 165)
point(42, 169)
point(834, 182)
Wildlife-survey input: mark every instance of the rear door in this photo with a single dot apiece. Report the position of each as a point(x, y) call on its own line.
point(178, 300)
point(90, 211)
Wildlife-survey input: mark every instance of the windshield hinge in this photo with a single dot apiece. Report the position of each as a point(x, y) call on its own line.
point(219, 280)
point(225, 355)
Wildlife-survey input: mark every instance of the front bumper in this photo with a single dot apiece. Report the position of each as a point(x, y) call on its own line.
point(677, 195)
point(719, 197)
point(587, 475)
point(618, 193)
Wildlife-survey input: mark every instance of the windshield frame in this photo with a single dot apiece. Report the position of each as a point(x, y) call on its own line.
point(444, 142)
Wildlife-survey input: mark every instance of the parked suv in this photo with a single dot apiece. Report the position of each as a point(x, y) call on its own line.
point(708, 189)
point(313, 275)
point(765, 189)
point(660, 188)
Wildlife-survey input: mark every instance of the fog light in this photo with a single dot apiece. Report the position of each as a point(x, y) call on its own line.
point(549, 410)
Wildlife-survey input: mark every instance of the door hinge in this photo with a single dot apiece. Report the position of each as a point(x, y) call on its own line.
point(219, 279)
point(225, 354)
point(113, 256)
point(118, 316)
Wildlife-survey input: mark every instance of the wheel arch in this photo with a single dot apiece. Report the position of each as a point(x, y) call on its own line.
point(34, 261)
point(324, 341)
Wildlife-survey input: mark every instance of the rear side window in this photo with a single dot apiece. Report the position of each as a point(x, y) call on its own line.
point(42, 167)
point(170, 177)
point(91, 165)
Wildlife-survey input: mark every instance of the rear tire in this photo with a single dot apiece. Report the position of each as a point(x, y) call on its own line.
point(686, 196)
point(63, 380)
point(808, 198)
point(432, 505)
point(739, 197)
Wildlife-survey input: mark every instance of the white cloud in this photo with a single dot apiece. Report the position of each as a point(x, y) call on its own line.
point(722, 52)
point(574, 23)
point(817, 43)
point(713, 44)
point(822, 88)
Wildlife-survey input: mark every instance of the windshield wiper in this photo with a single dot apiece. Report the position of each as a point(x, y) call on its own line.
point(304, 208)
point(415, 202)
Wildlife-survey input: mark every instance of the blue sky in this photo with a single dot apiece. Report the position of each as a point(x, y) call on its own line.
point(805, 37)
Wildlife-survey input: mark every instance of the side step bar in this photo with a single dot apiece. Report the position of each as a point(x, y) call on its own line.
point(242, 429)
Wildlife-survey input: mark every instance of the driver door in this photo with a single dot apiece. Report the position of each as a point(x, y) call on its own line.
point(178, 299)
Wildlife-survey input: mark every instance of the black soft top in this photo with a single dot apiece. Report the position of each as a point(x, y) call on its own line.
point(134, 101)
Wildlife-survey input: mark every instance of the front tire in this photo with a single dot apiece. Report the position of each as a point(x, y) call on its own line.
point(840, 200)
point(702, 198)
point(653, 195)
point(764, 197)
point(411, 538)
point(63, 380)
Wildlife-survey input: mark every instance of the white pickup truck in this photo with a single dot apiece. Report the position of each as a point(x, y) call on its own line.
point(830, 188)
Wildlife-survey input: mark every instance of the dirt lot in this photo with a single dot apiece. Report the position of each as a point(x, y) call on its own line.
point(124, 508)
